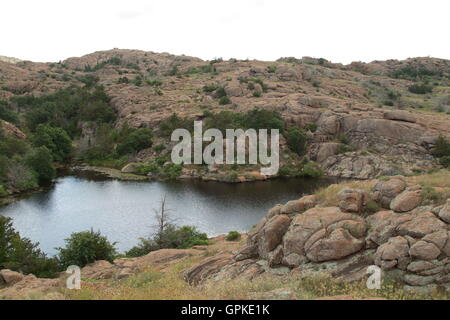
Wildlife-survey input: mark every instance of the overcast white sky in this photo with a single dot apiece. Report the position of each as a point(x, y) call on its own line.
point(339, 30)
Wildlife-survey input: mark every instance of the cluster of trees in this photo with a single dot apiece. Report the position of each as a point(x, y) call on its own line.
point(420, 88)
point(256, 119)
point(66, 108)
point(52, 122)
point(415, 73)
point(24, 166)
point(112, 145)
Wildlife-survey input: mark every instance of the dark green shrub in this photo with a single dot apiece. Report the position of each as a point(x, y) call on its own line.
point(41, 162)
point(123, 80)
point(343, 148)
point(10, 147)
point(55, 139)
point(166, 127)
point(312, 170)
point(86, 247)
point(420, 88)
point(442, 147)
point(20, 254)
point(372, 207)
point(21, 177)
point(159, 147)
point(220, 92)
point(6, 113)
point(271, 69)
point(430, 195)
point(210, 88)
point(3, 191)
point(224, 100)
point(445, 161)
point(154, 83)
point(263, 119)
point(343, 139)
point(173, 71)
point(414, 73)
point(136, 141)
point(296, 140)
point(144, 247)
point(311, 127)
point(89, 80)
point(233, 236)
point(171, 237)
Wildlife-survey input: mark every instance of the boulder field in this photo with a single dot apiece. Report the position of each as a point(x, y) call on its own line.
point(408, 240)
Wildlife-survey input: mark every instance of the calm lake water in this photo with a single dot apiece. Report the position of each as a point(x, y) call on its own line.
point(123, 211)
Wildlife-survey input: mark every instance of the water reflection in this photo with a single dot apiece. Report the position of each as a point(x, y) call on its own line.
point(123, 211)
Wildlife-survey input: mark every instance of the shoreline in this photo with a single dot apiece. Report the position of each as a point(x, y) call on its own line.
point(116, 174)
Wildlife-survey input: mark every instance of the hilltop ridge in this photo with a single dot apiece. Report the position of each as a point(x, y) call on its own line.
point(362, 120)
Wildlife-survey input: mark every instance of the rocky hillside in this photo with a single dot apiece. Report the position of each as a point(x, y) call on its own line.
point(319, 245)
point(362, 120)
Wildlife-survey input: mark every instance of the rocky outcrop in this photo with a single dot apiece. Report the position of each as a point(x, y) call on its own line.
point(18, 286)
point(399, 115)
point(309, 93)
point(406, 201)
point(11, 130)
point(9, 277)
point(385, 191)
point(352, 200)
point(407, 240)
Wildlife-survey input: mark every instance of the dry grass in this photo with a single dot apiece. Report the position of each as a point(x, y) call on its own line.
point(328, 195)
point(154, 285)
point(440, 179)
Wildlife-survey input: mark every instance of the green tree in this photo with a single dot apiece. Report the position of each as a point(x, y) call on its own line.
point(442, 147)
point(6, 113)
point(41, 162)
point(86, 247)
point(55, 139)
point(136, 141)
point(296, 140)
point(20, 254)
point(263, 119)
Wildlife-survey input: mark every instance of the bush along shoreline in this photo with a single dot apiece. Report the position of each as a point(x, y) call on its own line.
point(82, 248)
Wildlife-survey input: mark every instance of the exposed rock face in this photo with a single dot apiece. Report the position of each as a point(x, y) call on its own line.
point(393, 253)
point(411, 242)
point(296, 206)
point(11, 130)
point(321, 234)
point(10, 277)
point(19, 286)
point(385, 191)
point(444, 214)
point(352, 200)
point(406, 201)
point(326, 150)
point(399, 115)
